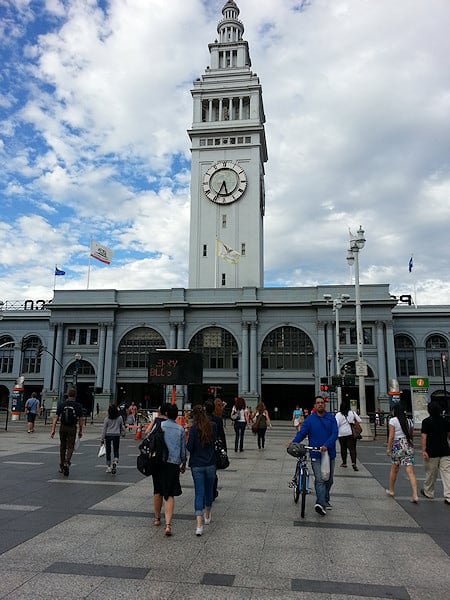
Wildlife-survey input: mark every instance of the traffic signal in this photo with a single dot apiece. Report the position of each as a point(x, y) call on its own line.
point(211, 393)
point(323, 388)
point(40, 350)
point(24, 344)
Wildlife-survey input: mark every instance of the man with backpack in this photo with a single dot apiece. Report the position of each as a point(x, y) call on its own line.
point(70, 414)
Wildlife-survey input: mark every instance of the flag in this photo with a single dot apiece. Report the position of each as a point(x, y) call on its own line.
point(410, 264)
point(101, 253)
point(59, 272)
point(227, 253)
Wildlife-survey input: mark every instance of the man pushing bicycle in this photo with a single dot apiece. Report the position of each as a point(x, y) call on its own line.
point(322, 431)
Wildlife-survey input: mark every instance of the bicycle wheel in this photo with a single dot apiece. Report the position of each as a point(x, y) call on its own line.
point(304, 491)
point(296, 488)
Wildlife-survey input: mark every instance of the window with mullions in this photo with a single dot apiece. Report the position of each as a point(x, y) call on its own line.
point(405, 356)
point(6, 354)
point(434, 346)
point(366, 334)
point(82, 367)
point(218, 348)
point(136, 346)
point(287, 348)
point(31, 363)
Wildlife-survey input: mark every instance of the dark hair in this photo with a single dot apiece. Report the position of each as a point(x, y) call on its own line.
point(239, 403)
point(434, 409)
point(113, 411)
point(72, 393)
point(209, 407)
point(398, 412)
point(261, 407)
point(172, 411)
point(163, 408)
point(344, 409)
point(203, 425)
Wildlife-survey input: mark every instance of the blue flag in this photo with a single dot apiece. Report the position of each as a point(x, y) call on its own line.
point(410, 264)
point(59, 272)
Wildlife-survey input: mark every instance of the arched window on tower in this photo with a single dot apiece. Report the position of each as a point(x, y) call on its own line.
point(136, 345)
point(287, 348)
point(405, 356)
point(218, 348)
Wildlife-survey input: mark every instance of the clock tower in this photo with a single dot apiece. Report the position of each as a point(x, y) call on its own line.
point(228, 146)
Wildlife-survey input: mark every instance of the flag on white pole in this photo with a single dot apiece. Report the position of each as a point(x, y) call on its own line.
point(59, 272)
point(410, 264)
point(227, 253)
point(101, 253)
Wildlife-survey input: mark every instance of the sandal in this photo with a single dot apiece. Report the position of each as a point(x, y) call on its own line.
point(168, 530)
point(389, 493)
point(156, 521)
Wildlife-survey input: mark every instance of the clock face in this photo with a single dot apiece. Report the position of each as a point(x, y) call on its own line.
point(224, 182)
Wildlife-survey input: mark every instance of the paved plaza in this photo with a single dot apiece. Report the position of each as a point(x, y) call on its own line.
point(91, 535)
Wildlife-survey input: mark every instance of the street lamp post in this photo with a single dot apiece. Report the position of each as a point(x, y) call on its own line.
point(75, 370)
point(357, 243)
point(337, 305)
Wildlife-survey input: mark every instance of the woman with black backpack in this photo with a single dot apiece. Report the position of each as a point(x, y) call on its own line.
point(261, 421)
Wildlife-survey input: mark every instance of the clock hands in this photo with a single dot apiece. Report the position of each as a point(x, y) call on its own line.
point(224, 185)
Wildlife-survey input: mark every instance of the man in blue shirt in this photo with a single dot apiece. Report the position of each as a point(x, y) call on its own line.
point(322, 431)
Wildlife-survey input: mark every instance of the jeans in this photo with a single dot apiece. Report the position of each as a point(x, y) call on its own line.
point(322, 487)
point(261, 433)
point(67, 437)
point(115, 440)
point(239, 429)
point(203, 485)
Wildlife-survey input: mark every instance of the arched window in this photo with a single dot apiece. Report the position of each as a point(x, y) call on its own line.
point(31, 362)
point(136, 346)
point(287, 348)
point(6, 354)
point(435, 346)
point(82, 367)
point(405, 356)
point(218, 348)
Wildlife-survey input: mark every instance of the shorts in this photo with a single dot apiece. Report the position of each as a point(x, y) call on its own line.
point(31, 417)
point(402, 452)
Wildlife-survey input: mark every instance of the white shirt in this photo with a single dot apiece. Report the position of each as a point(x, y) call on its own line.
point(398, 431)
point(343, 423)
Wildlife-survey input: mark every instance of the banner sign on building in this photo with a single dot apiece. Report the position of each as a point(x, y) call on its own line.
point(176, 367)
point(419, 399)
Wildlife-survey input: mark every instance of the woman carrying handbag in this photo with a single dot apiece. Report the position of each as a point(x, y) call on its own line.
point(240, 417)
point(345, 418)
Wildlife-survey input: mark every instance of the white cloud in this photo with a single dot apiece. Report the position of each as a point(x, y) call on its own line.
point(93, 132)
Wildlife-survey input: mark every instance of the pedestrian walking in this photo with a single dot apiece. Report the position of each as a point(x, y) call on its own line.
point(401, 450)
point(240, 417)
point(261, 421)
point(344, 419)
point(113, 427)
point(210, 409)
point(70, 413)
point(434, 437)
point(322, 431)
point(297, 417)
point(202, 460)
point(166, 481)
point(33, 409)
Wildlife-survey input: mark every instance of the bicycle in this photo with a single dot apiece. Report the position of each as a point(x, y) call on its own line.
point(300, 481)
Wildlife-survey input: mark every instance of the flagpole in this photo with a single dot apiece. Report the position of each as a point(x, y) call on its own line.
point(54, 278)
point(89, 264)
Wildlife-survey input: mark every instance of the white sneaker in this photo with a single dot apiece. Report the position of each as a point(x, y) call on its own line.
point(199, 531)
point(108, 470)
point(207, 520)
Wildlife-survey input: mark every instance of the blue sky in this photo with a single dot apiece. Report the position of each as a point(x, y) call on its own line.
point(94, 107)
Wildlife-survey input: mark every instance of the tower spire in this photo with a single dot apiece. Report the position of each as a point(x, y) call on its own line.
point(230, 50)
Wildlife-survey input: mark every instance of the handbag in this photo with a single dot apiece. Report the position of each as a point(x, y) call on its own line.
point(102, 451)
point(222, 460)
point(356, 429)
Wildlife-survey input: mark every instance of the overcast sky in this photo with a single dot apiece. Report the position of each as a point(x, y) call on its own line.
point(94, 107)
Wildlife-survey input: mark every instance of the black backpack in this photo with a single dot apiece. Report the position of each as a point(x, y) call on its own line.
point(68, 415)
point(154, 451)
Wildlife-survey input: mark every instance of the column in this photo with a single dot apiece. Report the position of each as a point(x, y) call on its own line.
point(244, 367)
point(321, 364)
point(390, 351)
point(330, 349)
point(101, 355)
point(253, 358)
point(240, 108)
point(58, 375)
point(210, 111)
point(172, 335)
point(107, 371)
point(220, 109)
point(382, 378)
point(180, 336)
